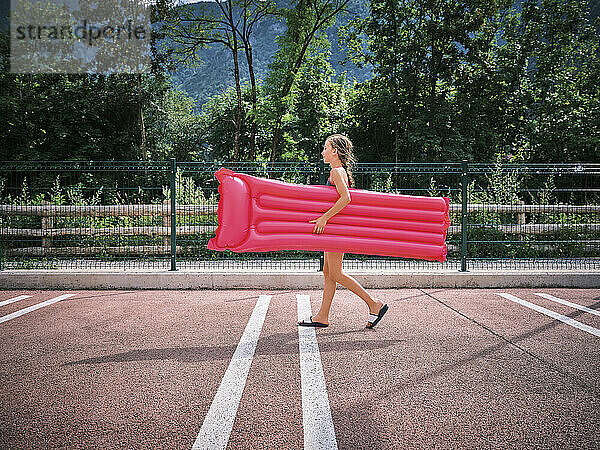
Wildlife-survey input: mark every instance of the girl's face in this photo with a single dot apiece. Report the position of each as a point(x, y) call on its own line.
point(329, 153)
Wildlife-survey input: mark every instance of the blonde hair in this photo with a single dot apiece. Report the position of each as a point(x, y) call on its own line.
point(345, 151)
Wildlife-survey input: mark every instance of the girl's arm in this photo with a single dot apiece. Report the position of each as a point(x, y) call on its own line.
point(337, 206)
point(344, 196)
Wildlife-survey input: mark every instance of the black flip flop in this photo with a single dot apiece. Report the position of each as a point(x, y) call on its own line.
point(375, 318)
point(313, 324)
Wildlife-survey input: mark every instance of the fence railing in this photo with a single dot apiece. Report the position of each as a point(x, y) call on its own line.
point(79, 214)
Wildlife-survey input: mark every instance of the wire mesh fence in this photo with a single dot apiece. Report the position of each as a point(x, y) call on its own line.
point(535, 213)
point(161, 215)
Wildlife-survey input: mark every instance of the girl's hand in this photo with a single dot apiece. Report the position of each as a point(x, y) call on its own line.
point(319, 224)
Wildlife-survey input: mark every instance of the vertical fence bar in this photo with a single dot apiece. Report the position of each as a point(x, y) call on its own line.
point(464, 221)
point(322, 174)
point(173, 216)
point(322, 178)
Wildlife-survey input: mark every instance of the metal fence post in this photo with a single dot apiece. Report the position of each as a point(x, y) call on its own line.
point(464, 217)
point(322, 178)
point(322, 174)
point(173, 216)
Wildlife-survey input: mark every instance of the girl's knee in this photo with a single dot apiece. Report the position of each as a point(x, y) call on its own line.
point(329, 275)
point(336, 276)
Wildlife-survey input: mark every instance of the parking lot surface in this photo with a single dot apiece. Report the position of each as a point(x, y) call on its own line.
point(445, 368)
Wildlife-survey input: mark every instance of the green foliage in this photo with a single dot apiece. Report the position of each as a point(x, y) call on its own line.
point(453, 80)
point(381, 182)
point(548, 62)
point(417, 52)
point(319, 109)
point(186, 191)
point(546, 195)
point(504, 183)
point(92, 117)
point(433, 190)
point(174, 130)
point(317, 106)
point(216, 127)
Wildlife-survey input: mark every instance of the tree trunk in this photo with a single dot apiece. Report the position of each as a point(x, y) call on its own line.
point(286, 90)
point(251, 154)
point(233, 45)
point(238, 90)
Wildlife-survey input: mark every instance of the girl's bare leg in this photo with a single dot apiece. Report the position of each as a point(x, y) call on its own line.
point(333, 275)
point(328, 293)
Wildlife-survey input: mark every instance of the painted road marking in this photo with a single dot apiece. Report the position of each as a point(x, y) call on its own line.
point(34, 307)
point(218, 422)
point(316, 414)
point(554, 315)
point(565, 302)
point(15, 299)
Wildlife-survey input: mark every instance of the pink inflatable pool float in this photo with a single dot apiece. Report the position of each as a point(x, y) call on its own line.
point(261, 215)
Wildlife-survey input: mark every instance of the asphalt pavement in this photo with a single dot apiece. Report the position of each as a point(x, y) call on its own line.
point(445, 368)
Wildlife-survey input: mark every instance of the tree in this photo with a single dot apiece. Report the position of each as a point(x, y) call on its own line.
point(190, 27)
point(529, 85)
point(417, 50)
point(252, 12)
point(306, 22)
point(91, 117)
point(320, 107)
point(563, 71)
point(196, 26)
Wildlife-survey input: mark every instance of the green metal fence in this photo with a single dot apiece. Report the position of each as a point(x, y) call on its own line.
point(86, 215)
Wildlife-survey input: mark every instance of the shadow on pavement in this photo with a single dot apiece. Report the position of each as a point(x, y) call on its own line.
point(277, 344)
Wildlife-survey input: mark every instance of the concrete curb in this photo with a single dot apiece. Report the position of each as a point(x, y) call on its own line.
point(162, 279)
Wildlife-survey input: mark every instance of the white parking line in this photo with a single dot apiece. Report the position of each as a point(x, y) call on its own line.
point(218, 422)
point(554, 315)
point(34, 307)
point(15, 299)
point(565, 302)
point(316, 414)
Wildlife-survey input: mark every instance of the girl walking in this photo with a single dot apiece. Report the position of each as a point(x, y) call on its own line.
point(338, 153)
